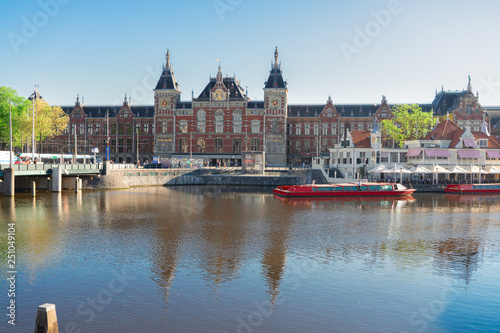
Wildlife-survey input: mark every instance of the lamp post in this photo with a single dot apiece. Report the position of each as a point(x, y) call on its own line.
point(137, 147)
point(33, 129)
point(345, 173)
point(479, 174)
point(401, 175)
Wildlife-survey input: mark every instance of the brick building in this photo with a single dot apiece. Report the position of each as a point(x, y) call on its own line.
point(222, 122)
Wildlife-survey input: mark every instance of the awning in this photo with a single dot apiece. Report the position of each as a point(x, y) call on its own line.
point(437, 153)
point(457, 169)
point(492, 169)
point(469, 143)
point(413, 152)
point(469, 154)
point(440, 169)
point(493, 153)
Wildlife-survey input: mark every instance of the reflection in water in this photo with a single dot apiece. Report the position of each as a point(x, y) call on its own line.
point(212, 243)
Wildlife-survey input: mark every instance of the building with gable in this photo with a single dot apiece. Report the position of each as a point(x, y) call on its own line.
point(222, 122)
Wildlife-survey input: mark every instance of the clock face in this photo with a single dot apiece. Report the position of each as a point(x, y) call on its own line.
point(164, 103)
point(219, 95)
point(275, 103)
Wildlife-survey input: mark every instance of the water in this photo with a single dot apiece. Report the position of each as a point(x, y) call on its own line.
point(227, 260)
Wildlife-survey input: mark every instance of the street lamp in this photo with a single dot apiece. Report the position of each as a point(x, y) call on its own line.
point(401, 175)
point(10, 134)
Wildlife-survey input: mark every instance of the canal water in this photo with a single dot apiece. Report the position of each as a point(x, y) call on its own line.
point(240, 260)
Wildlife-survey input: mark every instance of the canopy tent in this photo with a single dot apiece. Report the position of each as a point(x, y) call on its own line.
point(492, 169)
point(439, 169)
point(379, 169)
point(398, 169)
point(457, 169)
point(419, 169)
point(475, 169)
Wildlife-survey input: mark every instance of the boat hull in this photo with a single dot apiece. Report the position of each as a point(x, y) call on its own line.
point(473, 189)
point(344, 190)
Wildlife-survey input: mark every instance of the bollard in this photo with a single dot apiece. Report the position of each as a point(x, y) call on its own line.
point(33, 189)
point(77, 183)
point(46, 319)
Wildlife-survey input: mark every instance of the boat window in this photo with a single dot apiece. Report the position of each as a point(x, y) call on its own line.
point(364, 188)
point(339, 188)
point(386, 188)
point(315, 189)
point(374, 188)
point(330, 189)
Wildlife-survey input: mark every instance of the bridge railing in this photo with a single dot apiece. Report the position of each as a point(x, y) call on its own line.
point(45, 167)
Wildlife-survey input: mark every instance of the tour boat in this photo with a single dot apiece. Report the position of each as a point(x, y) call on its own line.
point(343, 190)
point(473, 189)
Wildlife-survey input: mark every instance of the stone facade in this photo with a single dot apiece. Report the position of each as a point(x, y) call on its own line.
point(222, 122)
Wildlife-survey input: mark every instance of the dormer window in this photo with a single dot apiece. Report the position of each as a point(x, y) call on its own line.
point(483, 143)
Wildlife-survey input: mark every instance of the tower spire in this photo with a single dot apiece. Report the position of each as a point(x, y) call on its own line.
point(469, 87)
point(168, 58)
point(276, 64)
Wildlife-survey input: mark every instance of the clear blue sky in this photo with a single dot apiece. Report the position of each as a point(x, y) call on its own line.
point(103, 50)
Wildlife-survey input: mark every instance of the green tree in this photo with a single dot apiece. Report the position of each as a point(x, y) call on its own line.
point(49, 121)
point(409, 122)
point(20, 109)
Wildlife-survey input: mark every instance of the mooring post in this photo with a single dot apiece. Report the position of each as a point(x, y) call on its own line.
point(33, 189)
point(8, 182)
point(46, 319)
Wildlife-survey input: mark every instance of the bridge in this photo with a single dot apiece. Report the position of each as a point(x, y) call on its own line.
point(27, 170)
point(49, 176)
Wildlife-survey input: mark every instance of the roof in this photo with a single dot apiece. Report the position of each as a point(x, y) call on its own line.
point(230, 83)
point(444, 131)
point(143, 111)
point(275, 79)
point(361, 138)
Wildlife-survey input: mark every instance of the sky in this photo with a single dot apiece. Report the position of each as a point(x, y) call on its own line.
point(353, 51)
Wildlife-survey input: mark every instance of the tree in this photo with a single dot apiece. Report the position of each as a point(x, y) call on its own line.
point(409, 122)
point(20, 111)
point(49, 121)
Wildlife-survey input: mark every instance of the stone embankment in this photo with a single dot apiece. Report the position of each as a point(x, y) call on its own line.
point(125, 178)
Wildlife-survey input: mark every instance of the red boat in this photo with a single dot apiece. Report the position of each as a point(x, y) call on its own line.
point(473, 189)
point(343, 190)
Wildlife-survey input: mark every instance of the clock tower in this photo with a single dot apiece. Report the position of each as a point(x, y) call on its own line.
point(275, 115)
point(167, 94)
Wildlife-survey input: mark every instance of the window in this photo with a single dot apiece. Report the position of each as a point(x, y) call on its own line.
point(200, 145)
point(201, 121)
point(129, 128)
point(274, 125)
point(306, 129)
point(89, 128)
point(324, 129)
point(219, 145)
point(298, 129)
point(98, 128)
point(138, 128)
point(183, 126)
point(255, 144)
point(483, 143)
point(237, 121)
point(129, 145)
point(183, 145)
point(120, 129)
point(146, 128)
point(81, 129)
point(290, 129)
point(316, 129)
point(236, 146)
point(219, 121)
point(255, 126)
point(164, 126)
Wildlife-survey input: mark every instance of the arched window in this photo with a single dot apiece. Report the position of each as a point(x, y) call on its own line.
point(219, 121)
point(255, 126)
point(237, 121)
point(201, 121)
